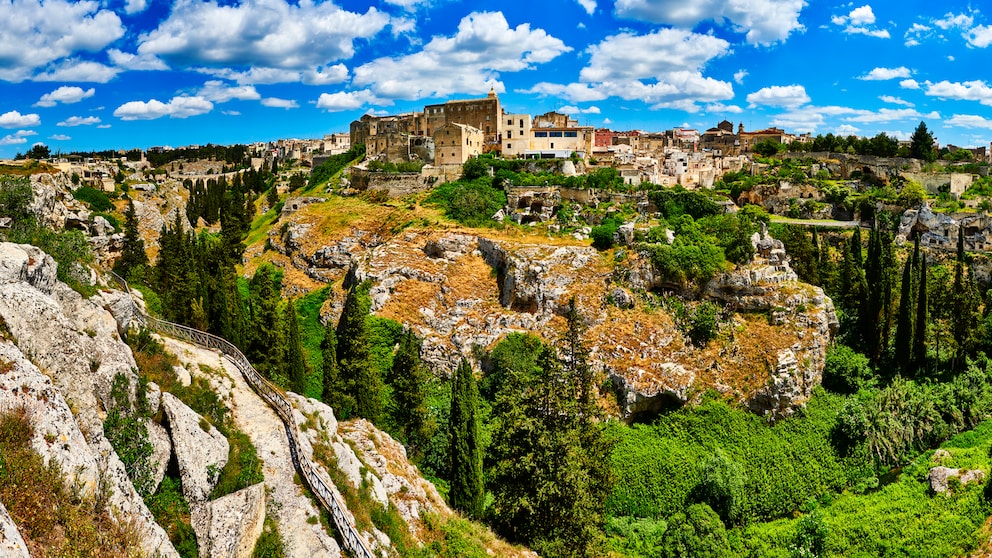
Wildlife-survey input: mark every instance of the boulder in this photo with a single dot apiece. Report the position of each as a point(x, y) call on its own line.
point(11, 543)
point(229, 527)
point(200, 449)
point(158, 436)
point(621, 298)
point(939, 477)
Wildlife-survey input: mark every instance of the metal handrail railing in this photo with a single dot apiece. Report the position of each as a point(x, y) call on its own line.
point(320, 486)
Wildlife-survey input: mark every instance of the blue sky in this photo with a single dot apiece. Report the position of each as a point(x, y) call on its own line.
point(81, 75)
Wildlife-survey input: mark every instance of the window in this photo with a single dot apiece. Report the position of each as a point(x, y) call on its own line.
point(509, 133)
point(571, 134)
point(521, 122)
point(555, 134)
point(509, 122)
point(552, 145)
point(540, 134)
point(508, 146)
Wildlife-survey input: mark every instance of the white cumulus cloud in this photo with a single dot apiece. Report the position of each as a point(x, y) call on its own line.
point(78, 71)
point(588, 5)
point(764, 21)
point(66, 95)
point(662, 69)
point(35, 34)
point(786, 96)
point(909, 84)
point(347, 100)
point(219, 92)
point(14, 119)
point(275, 102)
point(60, 137)
point(739, 76)
point(951, 20)
point(969, 121)
point(177, 107)
point(572, 109)
point(881, 74)
point(961, 91)
point(468, 62)
point(860, 21)
point(73, 121)
point(895, 100)
point(17, 137)
point(980, 36)
point(259, 33)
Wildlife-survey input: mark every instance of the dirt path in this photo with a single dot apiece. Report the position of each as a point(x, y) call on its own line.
point(302, 535)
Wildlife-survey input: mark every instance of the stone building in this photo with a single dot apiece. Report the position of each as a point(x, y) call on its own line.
point(482, 114)
point(516, 134)
point(455, 143)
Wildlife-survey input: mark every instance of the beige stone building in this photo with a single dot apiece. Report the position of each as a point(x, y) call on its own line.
point(482, 114)
point(455, 143)
point(516, 134)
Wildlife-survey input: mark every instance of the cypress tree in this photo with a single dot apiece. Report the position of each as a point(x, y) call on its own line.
point(408, 377)
point(920, 331)
point(467, 492)
point(871, 307)
point(272, 197)
point(267, 343)
point(333, 390)
point(133, 254)
point(361, 380)
point(904, 322)
point(296, 366)
point(964, 315)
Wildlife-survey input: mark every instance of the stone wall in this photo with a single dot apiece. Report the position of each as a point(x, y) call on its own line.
point(398, 184)
point(954, 182)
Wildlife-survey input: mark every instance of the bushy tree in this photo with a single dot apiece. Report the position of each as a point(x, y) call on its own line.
point(698, 533)
point(296, 366)
point(921, 144)
point(267, 344)
point(846, 370)
point(722, 486)
point(549, 476)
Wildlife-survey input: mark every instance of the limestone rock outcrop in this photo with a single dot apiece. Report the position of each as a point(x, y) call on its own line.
point(200, 449)
point(64, 352)
point(11, 543)
point(939, 478)
point(229, 527)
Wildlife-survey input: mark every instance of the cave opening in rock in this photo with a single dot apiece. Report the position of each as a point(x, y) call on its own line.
point(650, 409)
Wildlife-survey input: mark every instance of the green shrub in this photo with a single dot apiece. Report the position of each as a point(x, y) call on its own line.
point(471, 203)
point(697, 533)
point(785, 465)
point(846, 370)
point(602, 234)
point(97, 199)
point(171, 511)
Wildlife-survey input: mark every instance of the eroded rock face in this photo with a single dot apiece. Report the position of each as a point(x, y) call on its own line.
point(65, 352)
point(11, 543)
point(229, 527)
point(201, 453)
point(84, 463)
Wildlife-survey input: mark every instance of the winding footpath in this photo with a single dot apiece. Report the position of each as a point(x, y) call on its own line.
point(321, 488)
